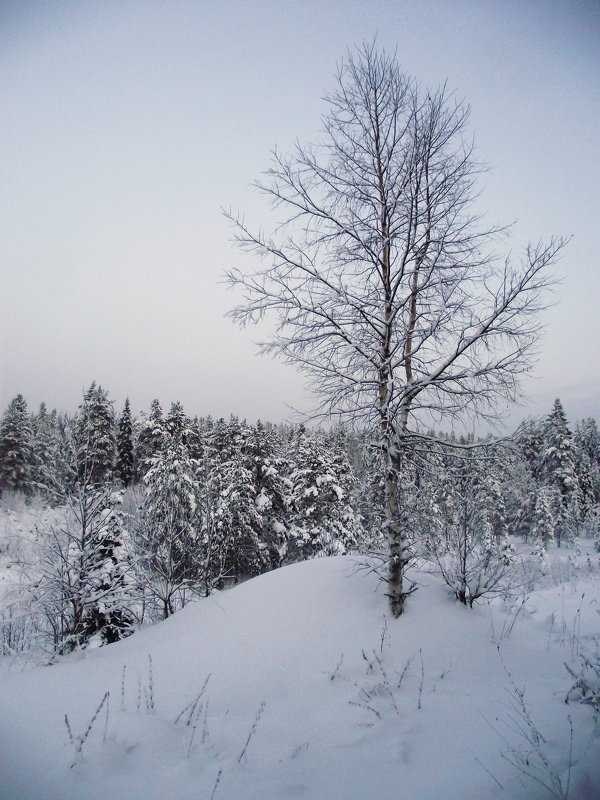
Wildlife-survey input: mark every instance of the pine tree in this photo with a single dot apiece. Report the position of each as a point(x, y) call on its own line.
point(531, 444)
point(239, 522)
point(557, 457)
point(63, 475)
point(208, 479)
point(572, 520)
point(323, 521)
point(586, 442)
point(558, 463)
point(371, 495)
point(586, 482)
point(96, 437)
point(496, 509)
point(150, 439)
point(268, 468)
point(587, 437)
point(542, 528)
point(45, 447)
point(169, 536)
point(110, 616)
point(234, 519)
point(177, 423)
point(125, 470)
point(16, 455)
point(225, 442)
point(519, 489)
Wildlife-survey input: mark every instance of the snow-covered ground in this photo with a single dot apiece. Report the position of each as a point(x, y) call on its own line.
point(298, 684)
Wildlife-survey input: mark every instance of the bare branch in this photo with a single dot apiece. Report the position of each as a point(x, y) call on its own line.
point(383, 281)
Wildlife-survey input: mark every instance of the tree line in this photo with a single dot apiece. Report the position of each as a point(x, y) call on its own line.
point(162, 508)
point(155, 510)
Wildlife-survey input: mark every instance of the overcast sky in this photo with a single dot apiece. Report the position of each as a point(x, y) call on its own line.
point(126, 126)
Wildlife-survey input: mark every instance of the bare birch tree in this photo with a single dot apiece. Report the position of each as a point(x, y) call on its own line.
point(382, 278)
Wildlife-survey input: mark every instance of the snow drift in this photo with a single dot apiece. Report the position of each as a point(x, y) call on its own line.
point(298, 684)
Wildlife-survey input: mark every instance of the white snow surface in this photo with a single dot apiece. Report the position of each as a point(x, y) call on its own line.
point(300, 640)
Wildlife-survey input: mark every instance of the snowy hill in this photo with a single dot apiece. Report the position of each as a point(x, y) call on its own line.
point(298, 684)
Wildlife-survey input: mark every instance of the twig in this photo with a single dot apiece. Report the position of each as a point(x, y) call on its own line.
point(550, 632)
point(259, 714)
point(445, 671)
point(422, 679)
point(193, 703)
point(69, 731)
point(493, 777)
point(506, 633)
point(533, 762)
point(106, 718)
point(150, 695)
point(194, 726)
point(491, 621)
point(404, 671)
point(384, 634)
point(80, 740)
point(365, 705)
point(334, 674)
point(123, 687)
point(219, 773)
point(386, 683)
point(577, 629)
point(205, 724)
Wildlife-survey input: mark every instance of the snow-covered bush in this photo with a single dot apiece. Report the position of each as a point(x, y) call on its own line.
point(21, 521)
point(475, 568)
point(80, 587)
point(69, 575)
point(472, 550)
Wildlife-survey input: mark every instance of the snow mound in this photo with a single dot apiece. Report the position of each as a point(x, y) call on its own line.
point(299, 684)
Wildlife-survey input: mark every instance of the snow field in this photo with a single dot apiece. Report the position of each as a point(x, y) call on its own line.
point(303, 666)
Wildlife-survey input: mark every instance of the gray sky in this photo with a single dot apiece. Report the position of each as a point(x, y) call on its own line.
point(126, 126)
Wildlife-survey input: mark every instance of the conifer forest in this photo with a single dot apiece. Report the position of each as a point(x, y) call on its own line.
point(110, 521)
